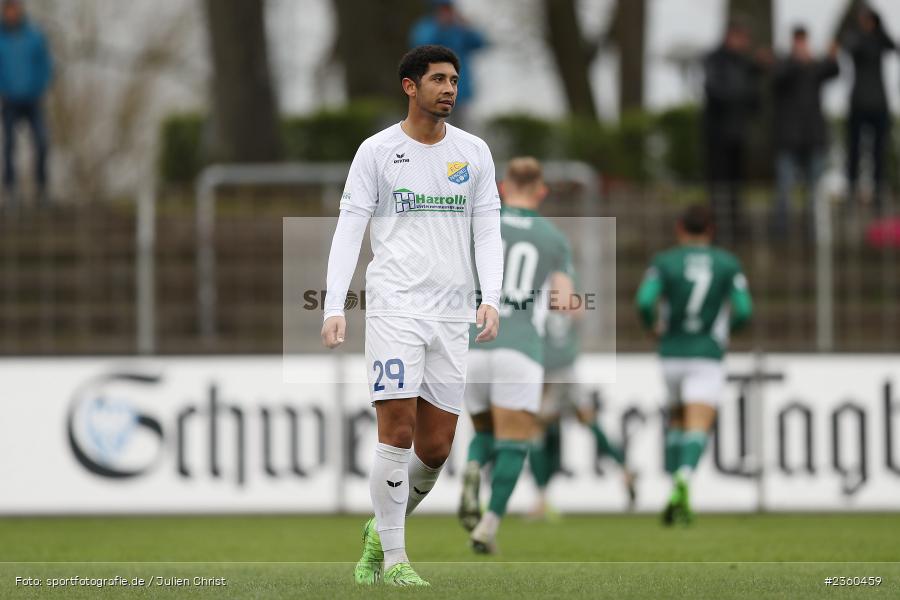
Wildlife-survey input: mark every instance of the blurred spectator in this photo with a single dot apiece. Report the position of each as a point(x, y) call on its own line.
point(444, 26)
point(866, 43)
point(801, 136)
point(25, 72)
point(732, 98)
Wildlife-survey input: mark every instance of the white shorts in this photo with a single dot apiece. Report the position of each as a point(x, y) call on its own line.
point(694, 380)
point(562, 390)
point(504, 378)
point(407, 357)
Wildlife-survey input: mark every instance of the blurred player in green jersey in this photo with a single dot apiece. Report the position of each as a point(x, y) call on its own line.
point(562, 391)
point(505, 376)
point(703, 296)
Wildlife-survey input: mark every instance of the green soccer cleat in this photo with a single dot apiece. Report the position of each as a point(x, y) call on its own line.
point(469, 507)
point(402, 575)
point(685, 515)
point(368, 569)
point(678, 510)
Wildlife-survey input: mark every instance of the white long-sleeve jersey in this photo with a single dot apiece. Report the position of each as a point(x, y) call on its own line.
point(428, 206)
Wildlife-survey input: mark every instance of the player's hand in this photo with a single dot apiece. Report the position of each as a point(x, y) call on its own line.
point(488, 321)
point(659, 329)
point(333, 331)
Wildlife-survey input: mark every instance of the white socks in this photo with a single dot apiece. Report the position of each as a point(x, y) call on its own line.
point(421, 479)
point(399, 481)
point(389, 486)
point(487, 527)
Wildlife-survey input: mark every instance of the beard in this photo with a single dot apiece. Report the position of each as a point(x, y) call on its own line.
point(437, 111)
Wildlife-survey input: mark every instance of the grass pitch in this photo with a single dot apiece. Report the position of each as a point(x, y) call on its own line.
point(580, 557)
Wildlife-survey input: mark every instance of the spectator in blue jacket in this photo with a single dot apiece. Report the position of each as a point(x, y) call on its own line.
point(25, 73)
point(444, 26)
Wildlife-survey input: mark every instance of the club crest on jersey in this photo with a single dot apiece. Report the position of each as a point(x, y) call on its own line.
point(458, 172)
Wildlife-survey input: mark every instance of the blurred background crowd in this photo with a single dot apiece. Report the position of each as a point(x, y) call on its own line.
point(776, 112)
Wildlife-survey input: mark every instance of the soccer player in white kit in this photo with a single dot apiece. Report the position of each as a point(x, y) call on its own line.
point(428, 191)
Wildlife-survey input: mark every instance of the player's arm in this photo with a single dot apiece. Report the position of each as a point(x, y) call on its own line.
point(357, 205)
point(562, 284)
point(648, 296)
point(562, 293)
point(489, 263)
point(488, 248)
point(741, 303)
point(342, 259)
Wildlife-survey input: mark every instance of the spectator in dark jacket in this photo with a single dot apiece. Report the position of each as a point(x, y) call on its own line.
point(732, 99)
point(801, 136)
point(869, 112)
point(25, 72)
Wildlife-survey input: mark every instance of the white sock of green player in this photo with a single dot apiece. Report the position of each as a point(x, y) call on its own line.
point(487, 526)
point(421, 479)
point(389, 487)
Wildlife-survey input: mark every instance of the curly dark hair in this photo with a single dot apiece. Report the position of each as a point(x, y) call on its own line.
point(414, 63)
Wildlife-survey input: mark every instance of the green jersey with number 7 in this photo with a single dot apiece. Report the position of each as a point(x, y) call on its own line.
point(703, 296)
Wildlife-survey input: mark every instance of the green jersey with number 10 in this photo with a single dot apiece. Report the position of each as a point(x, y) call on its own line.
point(703, 295)
point(533, 249)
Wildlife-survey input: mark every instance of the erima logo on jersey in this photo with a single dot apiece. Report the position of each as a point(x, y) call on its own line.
point(408, 201)
point(458, 172)
point(400, 158)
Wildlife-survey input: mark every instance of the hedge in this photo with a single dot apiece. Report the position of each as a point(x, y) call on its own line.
point(328, 135)
point(641, 147)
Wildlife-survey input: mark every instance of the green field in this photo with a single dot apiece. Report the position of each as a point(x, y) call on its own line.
point(580, 557)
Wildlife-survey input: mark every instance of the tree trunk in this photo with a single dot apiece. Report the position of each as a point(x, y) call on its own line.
point(245, 124)
point(572, 55)
point(758, 15)
point(372, 37)
point(628, 31)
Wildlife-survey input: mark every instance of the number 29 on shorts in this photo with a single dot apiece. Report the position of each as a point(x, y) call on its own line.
point(392, 369)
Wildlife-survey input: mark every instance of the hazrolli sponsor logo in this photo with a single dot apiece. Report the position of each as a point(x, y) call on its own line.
point(408, 201)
